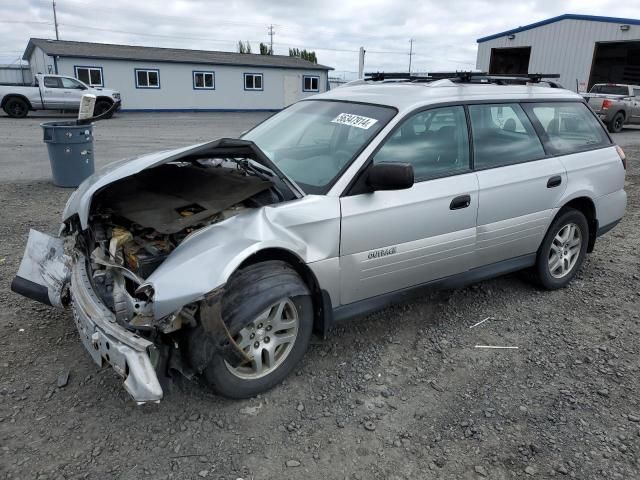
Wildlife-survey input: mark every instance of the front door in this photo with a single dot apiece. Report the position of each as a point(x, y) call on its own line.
point(519, 185)
point(391, 240)
point(73, 91)
point(52, 93)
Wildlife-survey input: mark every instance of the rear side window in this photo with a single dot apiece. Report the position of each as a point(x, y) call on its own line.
point(503, 135)
point(52, 82)
point(570, 126)
point(610, 90)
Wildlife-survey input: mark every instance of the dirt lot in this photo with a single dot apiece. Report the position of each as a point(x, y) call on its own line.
point(402, 394)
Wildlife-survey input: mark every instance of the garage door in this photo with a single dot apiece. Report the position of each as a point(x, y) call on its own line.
point(616, 62)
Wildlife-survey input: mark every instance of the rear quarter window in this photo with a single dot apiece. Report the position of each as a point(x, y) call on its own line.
point(570, 127)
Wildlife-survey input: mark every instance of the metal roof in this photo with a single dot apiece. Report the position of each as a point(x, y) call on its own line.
point(566, 16)
point(107, 51)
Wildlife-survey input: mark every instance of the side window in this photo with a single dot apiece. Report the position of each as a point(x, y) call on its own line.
point(91, 76)
point(71, 83)
point(570, 126)
point(636, 92)
point(503, 135)
point(52, 82)
point(147, 78)
point(435, 142)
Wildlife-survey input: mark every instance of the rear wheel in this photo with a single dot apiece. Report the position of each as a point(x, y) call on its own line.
point(273, 310)
point(563, 250)
point(16, 108)
point(616, 123)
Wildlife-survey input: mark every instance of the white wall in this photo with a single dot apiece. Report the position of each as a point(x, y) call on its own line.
point(565, 47)
point(41, 62)
point(176, 90)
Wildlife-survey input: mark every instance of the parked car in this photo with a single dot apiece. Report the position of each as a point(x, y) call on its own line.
point(616, 104)
point(53, 92)
point(220, 259)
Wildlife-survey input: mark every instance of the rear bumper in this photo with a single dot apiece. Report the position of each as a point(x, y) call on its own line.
point(107, 341)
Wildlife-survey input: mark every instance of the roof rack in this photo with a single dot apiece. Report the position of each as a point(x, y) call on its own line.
point(464, 77)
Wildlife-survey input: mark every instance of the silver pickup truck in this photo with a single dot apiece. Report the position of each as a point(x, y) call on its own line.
point(53, 92)
point(616, 104)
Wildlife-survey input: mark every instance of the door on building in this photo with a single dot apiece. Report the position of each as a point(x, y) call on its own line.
point(510, 60)
point(291, 89)
point(616, 62)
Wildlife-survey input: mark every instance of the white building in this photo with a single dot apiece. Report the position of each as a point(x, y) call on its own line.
point(167, 79)
point(583, 49)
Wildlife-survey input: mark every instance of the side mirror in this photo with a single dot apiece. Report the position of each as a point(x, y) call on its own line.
point(390, 176)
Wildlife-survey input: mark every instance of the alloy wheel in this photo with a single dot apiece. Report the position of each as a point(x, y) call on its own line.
point(565, 250)
point(268, 340)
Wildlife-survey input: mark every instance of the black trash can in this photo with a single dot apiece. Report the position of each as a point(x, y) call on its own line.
point(70, 152)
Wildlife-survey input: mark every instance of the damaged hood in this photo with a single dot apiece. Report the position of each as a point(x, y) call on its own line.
point(79, 202)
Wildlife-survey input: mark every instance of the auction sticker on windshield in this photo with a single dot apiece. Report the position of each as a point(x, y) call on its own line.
point(352, 120)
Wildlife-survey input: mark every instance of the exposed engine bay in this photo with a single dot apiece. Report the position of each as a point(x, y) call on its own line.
point(136, 222)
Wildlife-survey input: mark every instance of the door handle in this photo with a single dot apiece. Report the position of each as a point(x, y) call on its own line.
point(463, 201)
point(554, 181)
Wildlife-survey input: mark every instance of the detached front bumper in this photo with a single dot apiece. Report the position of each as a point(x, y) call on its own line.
point(107, 341)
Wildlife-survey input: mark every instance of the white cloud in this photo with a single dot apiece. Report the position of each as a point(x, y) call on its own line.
point(444, 32)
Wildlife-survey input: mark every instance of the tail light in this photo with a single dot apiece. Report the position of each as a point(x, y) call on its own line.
point(606, 103)
point(623, 157)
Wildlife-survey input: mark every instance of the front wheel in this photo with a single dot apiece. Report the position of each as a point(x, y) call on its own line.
point(101, 107)
point(563, 250)
point(275, 309)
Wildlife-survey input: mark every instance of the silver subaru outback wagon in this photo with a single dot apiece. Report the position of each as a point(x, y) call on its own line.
point(222, 259)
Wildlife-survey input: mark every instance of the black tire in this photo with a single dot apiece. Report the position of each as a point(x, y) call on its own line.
point(16, 108)
point(248, 293)
point(542, 270)
point(101, 107)
point(617, 123)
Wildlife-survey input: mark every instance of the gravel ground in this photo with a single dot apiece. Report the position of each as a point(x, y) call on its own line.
point(401, 394)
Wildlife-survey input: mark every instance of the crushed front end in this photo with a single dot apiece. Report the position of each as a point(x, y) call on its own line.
point(117, 233)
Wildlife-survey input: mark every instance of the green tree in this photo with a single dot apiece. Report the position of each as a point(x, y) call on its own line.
point(244, 47)
point(265, 49)
point(304, 54)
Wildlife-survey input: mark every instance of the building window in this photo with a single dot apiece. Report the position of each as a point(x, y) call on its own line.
point(253, 81)
point(147, 78)
point(310, 83)
point(204, 81)
point(91, 76)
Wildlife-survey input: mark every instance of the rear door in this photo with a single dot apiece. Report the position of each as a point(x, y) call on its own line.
point(52, 93)
point(391, 240)
point(519, 184)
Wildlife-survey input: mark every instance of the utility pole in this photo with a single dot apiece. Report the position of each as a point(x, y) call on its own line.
point(410, 53)
point(361, 63)
point(271, 33)
point(55, 19)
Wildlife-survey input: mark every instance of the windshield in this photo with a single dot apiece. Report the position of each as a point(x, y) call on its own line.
point(314, 141)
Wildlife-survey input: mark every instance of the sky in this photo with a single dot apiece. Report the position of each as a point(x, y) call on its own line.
point(444, 32)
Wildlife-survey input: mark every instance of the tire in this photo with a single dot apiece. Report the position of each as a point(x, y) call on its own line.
point(569, 226)
point(254, 297)
point(101, 107)
point(617, 123)
point(16, 108)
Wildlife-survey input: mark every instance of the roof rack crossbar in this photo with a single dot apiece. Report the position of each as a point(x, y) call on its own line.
point(461, 76)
